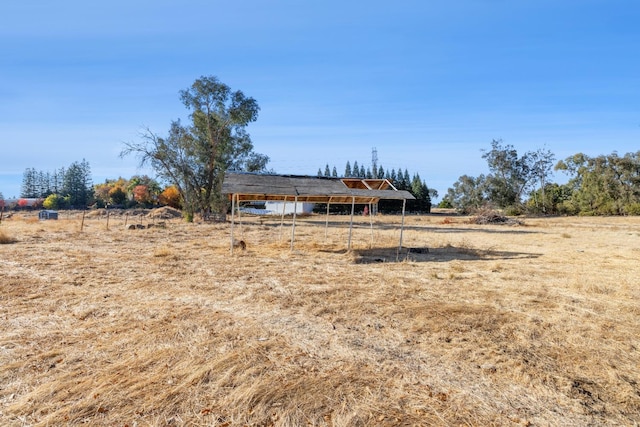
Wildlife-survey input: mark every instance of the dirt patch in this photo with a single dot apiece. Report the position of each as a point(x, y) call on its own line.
point(165, 212)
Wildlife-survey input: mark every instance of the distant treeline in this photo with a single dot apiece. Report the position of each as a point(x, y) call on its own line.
point(72, 187)
point(400, 179)
point(601, 185)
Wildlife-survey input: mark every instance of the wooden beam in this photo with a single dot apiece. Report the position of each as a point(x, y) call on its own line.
point(353, 207)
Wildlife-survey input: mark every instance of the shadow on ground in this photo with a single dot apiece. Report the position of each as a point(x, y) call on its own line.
point(444, 254)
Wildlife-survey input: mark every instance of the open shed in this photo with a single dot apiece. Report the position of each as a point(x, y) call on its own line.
point(247, 187)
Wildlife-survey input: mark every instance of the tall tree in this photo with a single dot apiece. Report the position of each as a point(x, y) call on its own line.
point(194, 158)
point(57, 180)
point(29, 187)
point(468, 193)
point(420, 191)
point(44, 184)
point(541, 164)
point(393, 177)
point(77, 185)
point(347, 170)
point(510, 174)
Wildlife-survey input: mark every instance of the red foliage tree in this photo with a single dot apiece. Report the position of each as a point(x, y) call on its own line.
point(141, 194)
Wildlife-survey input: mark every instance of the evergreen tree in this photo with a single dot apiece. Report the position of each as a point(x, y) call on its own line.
point(57, 181)
point(401, 183)
point(380, 172)
point(77, 185)
point(334, 172)
point(420, 191)
point(44, 184)
point(327, 171)
point(363, 172)
point(393, 177)
point(319, 172)
point(29, 187)
point(347, 170)
point(356, 170)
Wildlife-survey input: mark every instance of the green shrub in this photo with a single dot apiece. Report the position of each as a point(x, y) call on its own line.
point(632, 209)
point(512, 211)
point(53, 201)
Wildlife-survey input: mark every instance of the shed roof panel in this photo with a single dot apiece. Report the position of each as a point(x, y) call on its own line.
point(317, 189)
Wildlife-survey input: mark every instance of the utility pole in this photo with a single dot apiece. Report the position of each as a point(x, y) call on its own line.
point(374, 162)
point(373, 210)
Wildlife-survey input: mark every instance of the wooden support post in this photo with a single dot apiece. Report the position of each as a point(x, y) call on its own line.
point(326, 225)
point(284, 206)
point(353, 208)
point(371, 222)
point(293, 226)
point(239, 215)
point(404, 203)
point(108, 213)
point(233, 212)
point(82, 221)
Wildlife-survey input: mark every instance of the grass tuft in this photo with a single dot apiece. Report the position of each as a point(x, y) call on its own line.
point(6, 238)
point(163, 252)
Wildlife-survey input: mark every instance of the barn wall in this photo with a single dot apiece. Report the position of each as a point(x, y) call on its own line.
point(275, 208)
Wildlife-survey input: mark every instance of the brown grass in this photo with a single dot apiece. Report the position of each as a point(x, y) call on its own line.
point(494, 325)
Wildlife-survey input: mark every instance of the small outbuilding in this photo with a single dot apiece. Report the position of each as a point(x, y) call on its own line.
point(47, 214)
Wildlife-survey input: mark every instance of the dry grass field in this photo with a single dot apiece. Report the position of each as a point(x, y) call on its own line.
point(529, 325)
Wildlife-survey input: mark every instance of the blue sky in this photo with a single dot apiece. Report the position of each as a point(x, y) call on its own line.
point(428, 83)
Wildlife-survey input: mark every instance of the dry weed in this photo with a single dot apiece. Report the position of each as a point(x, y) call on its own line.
point(6, 238)
point(163, 252)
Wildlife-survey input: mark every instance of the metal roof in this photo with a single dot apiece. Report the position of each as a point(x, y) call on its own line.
point(253, 187)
